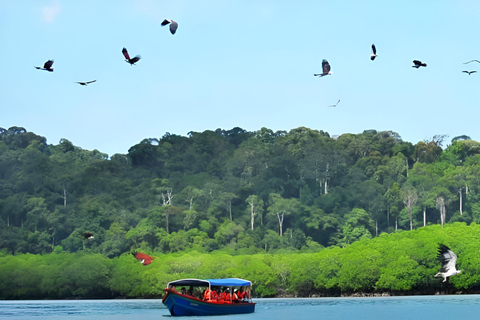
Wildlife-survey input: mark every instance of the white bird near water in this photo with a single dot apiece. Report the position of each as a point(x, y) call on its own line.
point(448, 259)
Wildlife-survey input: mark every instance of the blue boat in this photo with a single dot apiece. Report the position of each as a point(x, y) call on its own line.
point(208, 297)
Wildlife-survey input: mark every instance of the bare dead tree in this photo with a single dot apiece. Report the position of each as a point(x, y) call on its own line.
point(410, 198)
point(440, 204)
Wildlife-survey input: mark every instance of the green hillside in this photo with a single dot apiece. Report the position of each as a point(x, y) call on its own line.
point(238, 191)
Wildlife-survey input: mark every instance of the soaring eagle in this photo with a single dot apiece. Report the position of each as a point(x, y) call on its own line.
point(418, 64)
point(374, 53)
point(133, 60)
point(173, 25)
point(47, 66)
point(85, 83)
point(325, 69)
point(448, 259)
point(143, 258)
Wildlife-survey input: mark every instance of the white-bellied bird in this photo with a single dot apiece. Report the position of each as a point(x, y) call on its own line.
point(173, 25)
point(143, 258)
point(418, 64)
point(88, 235)
point(448, 259)
point(374, 53)
point(133, 60)
point(85, 83)
point(325, 69)
point(47, 66)
point(469, 72)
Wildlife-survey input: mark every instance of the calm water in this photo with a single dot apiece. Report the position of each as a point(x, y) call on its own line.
point(417, 307)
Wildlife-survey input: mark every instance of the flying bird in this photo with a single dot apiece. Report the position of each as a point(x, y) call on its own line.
point(471, 61)
point(47, 66)
point(325, 69)
point(143, 258)
point(85, 83)
point(334, 105)
point(88, 235)
point(448, 259)
point(133, 60)
point(173, 25)
point(374, 53)
point(418, 64)
point(469, 72)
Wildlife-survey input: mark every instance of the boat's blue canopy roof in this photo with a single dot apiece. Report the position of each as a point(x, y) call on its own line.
point(228, 282)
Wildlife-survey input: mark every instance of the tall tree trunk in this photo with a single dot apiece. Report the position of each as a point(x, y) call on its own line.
point(280, 223)
point(64, 196)
point(424, 216)
point(460, 191)
point(410, 200)
point(252, 214)
point(167, 214)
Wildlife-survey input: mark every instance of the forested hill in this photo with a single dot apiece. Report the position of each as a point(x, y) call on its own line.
point(232, 190)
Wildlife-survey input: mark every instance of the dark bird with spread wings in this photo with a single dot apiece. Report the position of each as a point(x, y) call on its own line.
point(47, 66)
point(133, 60)
point(88, 235)
point(469, 72)
point(325, 69)
point(448, 259)
point(143, 258)
point(374, 53)
point(85, 83)
point(173, 25)
point(418, 64)
point(471, 61)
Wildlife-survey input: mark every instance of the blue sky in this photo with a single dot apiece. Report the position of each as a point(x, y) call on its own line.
point(237, 63)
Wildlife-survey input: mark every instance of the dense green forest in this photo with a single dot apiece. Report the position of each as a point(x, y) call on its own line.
point(233, 190)
point(403, 262)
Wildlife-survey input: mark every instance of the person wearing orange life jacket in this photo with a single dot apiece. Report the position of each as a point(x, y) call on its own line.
point(241, 294)
point(227, 297)
point(235, 298)
point(207, 295)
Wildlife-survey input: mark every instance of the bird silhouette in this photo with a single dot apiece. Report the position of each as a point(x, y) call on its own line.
point(418, 64)
point(47, 66)
point(334, 105)
point(469, 72)
point(471, 61)
point(88, 235)
point(133, 60)
point(85, 83)
point(374, 53)
point(325, 69)
point(173, 25)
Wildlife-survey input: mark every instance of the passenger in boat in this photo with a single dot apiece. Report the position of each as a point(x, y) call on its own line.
point(207, 295)
point(183, 290)
point(235, 296)
point(226, 298)
point(213, 294)
point(221, 295)
point(241, 294)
